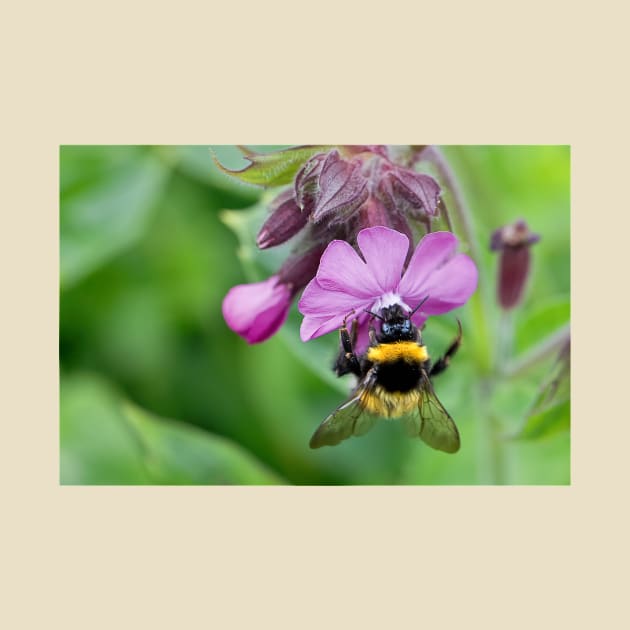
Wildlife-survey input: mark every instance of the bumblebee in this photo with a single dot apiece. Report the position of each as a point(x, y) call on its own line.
point(394, 382)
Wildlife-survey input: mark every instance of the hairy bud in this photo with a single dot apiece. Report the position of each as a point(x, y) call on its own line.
point(286, 220)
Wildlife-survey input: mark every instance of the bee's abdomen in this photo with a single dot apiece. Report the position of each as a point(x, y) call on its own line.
point(398, 376)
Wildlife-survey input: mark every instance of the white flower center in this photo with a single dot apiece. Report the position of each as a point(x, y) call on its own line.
point(388, 299)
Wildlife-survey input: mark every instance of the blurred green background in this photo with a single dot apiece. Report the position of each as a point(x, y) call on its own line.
point(155, 389)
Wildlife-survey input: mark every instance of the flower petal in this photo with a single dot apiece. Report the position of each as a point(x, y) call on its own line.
point(419, 318)
point(449, 287)
point(256, 311)
point(384, 251)
point(341, 269)
point(319, 302)
point(433, 251)
point(312, 327)
point(363, 336)
point(267, 324)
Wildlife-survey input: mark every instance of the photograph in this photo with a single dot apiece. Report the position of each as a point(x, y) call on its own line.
point(314, 315)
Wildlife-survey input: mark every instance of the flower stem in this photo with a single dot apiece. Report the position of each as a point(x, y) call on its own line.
point(462, 211)
point(493, 457)
point(503, 353)
point(505, 339)
point(492, 452)
point(447, 217)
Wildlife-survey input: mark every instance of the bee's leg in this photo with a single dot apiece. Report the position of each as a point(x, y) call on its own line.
point(372, 332)
point(347, 361)
point(441, 364)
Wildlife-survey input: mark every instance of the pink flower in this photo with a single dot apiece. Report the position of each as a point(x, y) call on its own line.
point(335, 192)
point(345, 283)
point(256, 311)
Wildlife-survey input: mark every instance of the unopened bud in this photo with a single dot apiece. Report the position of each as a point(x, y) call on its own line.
point(286, 220)
point(306, 183)
point(300, 268)
point(513, 241)
point(330, 188)
point(412, 194)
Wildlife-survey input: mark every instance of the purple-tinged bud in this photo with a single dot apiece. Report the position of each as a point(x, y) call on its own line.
point(330, 188)
point(513, 241)
point(410, 193)
point(372, 213)
point(300, 268)
point(306, 183)
point(286, 220)
point(256, 311)
point(356, 149)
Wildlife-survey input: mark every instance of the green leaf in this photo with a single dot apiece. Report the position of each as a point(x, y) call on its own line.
point(273, 169)
point(541, 462)
point(552, 420)
point(551, 411)
point(97, 445)
point(107, 440)
point(105, 204)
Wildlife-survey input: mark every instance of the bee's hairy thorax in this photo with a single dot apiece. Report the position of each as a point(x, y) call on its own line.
point(408, 351)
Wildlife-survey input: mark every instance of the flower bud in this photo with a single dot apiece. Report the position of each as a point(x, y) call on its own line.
point(286, 220)
point(374, 213)
point(330, 188)
point(410, 193)
point(300, 268)
point(306, 183)
point(513, 241)
point(256, 311)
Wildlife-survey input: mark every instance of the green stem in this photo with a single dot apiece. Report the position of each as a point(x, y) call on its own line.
point(492, 449)
point(446, 215)
point(505, 338)
point(460, 207)
point(493, 457)
point(504, 348)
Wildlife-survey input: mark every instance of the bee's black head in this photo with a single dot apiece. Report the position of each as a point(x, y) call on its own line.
point(396, 325)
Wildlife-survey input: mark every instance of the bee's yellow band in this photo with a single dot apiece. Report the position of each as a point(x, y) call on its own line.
point(390, 404)
point(408, 351)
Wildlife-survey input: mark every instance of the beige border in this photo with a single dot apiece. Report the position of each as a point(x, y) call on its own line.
point(311, 557)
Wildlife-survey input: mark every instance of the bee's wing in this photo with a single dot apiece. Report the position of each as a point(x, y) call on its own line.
point(348, 419)
point(431, 422)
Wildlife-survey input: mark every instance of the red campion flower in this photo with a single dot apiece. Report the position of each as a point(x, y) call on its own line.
point(436, 276)
point(335, 194)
